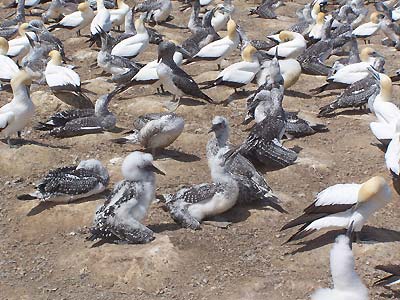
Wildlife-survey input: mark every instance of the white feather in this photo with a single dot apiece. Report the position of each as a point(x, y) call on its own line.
point(338, 194)
point(59, 76)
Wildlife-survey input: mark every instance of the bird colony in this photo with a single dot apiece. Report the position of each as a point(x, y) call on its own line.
point(133, 127)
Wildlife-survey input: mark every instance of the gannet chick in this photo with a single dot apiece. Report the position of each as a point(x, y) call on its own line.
point(8, 67)
point(15, 115)
point(155, 131)
point(265, 10)
point(65, 83)
point(173, 78)
point(239, 74)
point(346, 282)
point(75, 122)
point(101, 20)
point(57, 9)
point(117, 16)
point(342, 204)
point(189, 206)
point(291, 45)
point(19, 47)
point(76, 20)
point(157, 11)
point(389, 280)
point(194, 23)
point(118, 219)
point(222, 15)
point(68, 184)
point(366, 30)
point(134, 45)
point(219, 49)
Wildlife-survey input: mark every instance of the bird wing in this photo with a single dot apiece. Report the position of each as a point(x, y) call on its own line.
point(72, 20)
point(148, 5)
point(5, 119)
point(366, 29)
point(57, 76)
point(214, 50)
point(386, 112)
point(392, 155)
point(194, 194)
point(8, 68)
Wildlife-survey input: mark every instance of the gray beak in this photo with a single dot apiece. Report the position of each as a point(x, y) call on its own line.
point(214, 127)
point(374, 73)
point(154, 169)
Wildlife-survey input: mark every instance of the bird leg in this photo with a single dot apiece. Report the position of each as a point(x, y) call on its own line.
point(78, 33)
point(173, 104)
point(219, 67)
point(19, 134)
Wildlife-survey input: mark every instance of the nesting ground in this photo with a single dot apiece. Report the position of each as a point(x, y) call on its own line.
point(43, 252)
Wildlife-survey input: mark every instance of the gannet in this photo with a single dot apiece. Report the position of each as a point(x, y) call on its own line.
point(119, 218)
point(15, 115)
point(57, 9)
point(8, 67)
point(290, 70)
point(392, 155)
point(316, 30)
point(189, 206)
point(222, 15)
point(258, 44)
point(65, 83)
point(252, 185)
point(389, 280)
point(68, 184)
point(9, 27)
point(157, 11)
point(155, 131)
point(291, 44)
point(76, 20)
point(241, 73)
point(28, 3)
point(101, 20)
point(305, 20)
point(117, 16)
point(134, 45)
point(342, 204)
point(368, 29)
point(173, 78)
point(19, 47)
point(346, 282)
point(195, 23)
point(75, 122)
point(219, 49)
point(265, 10)
point(318, 6)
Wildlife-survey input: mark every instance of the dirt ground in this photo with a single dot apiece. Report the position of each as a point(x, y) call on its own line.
point(43, 251)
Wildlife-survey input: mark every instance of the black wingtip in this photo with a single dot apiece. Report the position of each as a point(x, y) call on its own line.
point(26, 197)
point(121, 141)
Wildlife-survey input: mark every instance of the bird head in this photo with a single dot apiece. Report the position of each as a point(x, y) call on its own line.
point(248, 53)
point(21, 78)
point(137, 165)
point(83, 6)
point(218, 123)
point(376, 17)
point(285, 36)
point(371, 188)
point(55, 57)
point(166, 50)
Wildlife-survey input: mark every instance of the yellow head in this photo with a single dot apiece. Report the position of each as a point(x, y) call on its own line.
point(55, 57)
point(248, 53)
point(21, 78)
point(83, 6)
point(231, 28)
point(376, 17)
point(386, 87)
point(367, 53)
point(371, 188)
point(285, 36)
point(22, 29)
point(120, 3)
point(3, 46)
point(320, 18)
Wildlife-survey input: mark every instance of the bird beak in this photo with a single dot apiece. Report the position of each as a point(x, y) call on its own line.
point(159, 58)
point(374, 73)
point(349, 234)
point(213, 128)
point(155, 169)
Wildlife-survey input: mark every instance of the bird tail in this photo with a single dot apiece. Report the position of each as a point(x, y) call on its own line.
point(94, 38)
point(54, 26)
point(319, 127)
point(43, 126)
point(273, 201)
point(278, 154)
point(28, 197)
point(320, 89)
point(132, 138)
point(207, 98)
point(252, 11)
point(327, 109)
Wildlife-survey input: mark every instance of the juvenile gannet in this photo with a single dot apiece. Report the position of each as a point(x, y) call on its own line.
point(265, 10)
point(346, 282)
point(155, 131)
point(19, 47)
point(134, 45)
point(389, 280)
point(195, 23)
point(189, 206)
point(222, 15)
point(368, 29)
point(291, 45)
point(76, 20)
point(239, 74)
point(57, 9)
point(157, 11)
point(65, 83)
point(305, 20)
point(15, 115)
point(76, 122)
point(8, 67)
point(101, 20)
point(68, 184)
point(173, 78)
point(341, 205)
point(117, 16)
point(118, 219)
point(219, 49)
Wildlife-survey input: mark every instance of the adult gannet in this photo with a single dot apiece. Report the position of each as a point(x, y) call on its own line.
point(65, 83)
point(368, 29)
point(318, 6)
point(57, 9)
point(341, 205)
point(389, 280)
point(75, 122)
point(392, 155)
point(241, 73)
point(290, 70)
point(134, 45)
point(219, 49)
point(101, 20)
point(155, 131)
point(157, 11)
point(291, 44)
point(222, 15)
point(189, 206)
point(316, 30)
point(15, 115)
point(68, 184)
point(117, 16)
point(346, 282)
point(19, 47)
point(118, 219)
point(173, 78)
point(76, 20)
point(8, 67)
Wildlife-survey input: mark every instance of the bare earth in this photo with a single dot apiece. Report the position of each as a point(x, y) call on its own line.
point(43, 252)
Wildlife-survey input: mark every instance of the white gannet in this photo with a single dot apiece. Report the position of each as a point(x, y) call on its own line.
point(117, 16)
point(76, 20)
point(189, 206)
point(318, 6)
point(68, 184)
point(239, 74)
point(368, 29)
point(222, 15)
point(392, 155)
point(134, 45)
point(290, 70)
point(101, 20)
point(219, 49)
point(316, 30)
point(341, 205)
point(346, 282)
point(65, 83)
point(76, 122)
point(19, 47)
point(57, 9)
point(157, 11)
point(389, 280)
point(155, 131)
point(8, 67)
point(119, 218)
point(15, 115)
point(291, 44)
point(173, 78)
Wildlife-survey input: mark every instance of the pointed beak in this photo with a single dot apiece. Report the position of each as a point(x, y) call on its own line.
point(374, 73)
point(213, 128)
point(154, 169)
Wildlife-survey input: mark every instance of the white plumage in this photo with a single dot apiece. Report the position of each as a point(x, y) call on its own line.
point(19, 47)
point(117, 16)
point(291, 44)
point(101, 20)
point(8, 67)
point(57, 75)
point(78, 19)
point(368, 29)
point(290, 71)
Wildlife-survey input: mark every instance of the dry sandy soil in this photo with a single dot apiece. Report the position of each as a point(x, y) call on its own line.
point(43, 251)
